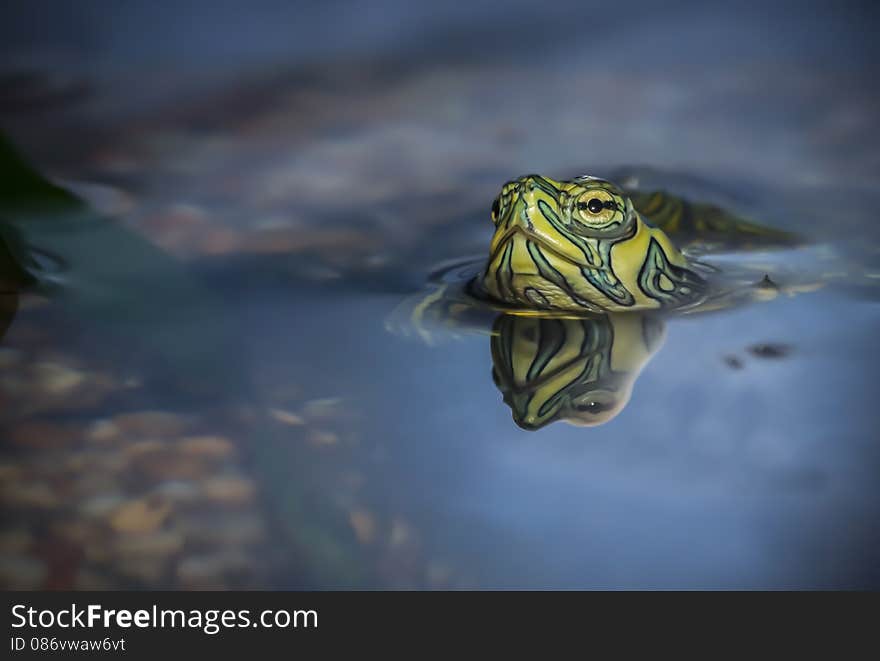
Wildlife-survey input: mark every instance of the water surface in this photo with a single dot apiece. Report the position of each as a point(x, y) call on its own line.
point(234, 412)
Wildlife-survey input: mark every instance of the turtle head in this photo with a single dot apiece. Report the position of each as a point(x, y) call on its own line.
point(552, 242)
point(581, 246)
point(561, 215)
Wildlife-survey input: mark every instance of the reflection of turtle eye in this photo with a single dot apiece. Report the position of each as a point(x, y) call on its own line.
point(593, 407)
point(496, 208)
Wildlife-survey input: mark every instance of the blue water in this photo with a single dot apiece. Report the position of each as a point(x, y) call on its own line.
point(394, 127)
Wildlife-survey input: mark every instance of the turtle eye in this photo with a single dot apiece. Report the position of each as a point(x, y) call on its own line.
point(496, 209)
point(599, 211)
point(594, 206)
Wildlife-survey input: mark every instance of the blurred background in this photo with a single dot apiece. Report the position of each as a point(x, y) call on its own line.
point(302, 167)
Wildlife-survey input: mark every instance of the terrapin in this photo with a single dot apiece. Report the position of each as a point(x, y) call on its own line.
point(579, 278)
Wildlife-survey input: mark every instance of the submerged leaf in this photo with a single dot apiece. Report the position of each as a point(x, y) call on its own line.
point(110, 276)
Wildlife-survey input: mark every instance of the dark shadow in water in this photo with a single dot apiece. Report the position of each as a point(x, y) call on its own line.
point(8, 308)
point(13, 277)
point(580, 371)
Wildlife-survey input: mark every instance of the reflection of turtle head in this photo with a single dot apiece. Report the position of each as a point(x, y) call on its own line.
point(578, 370)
